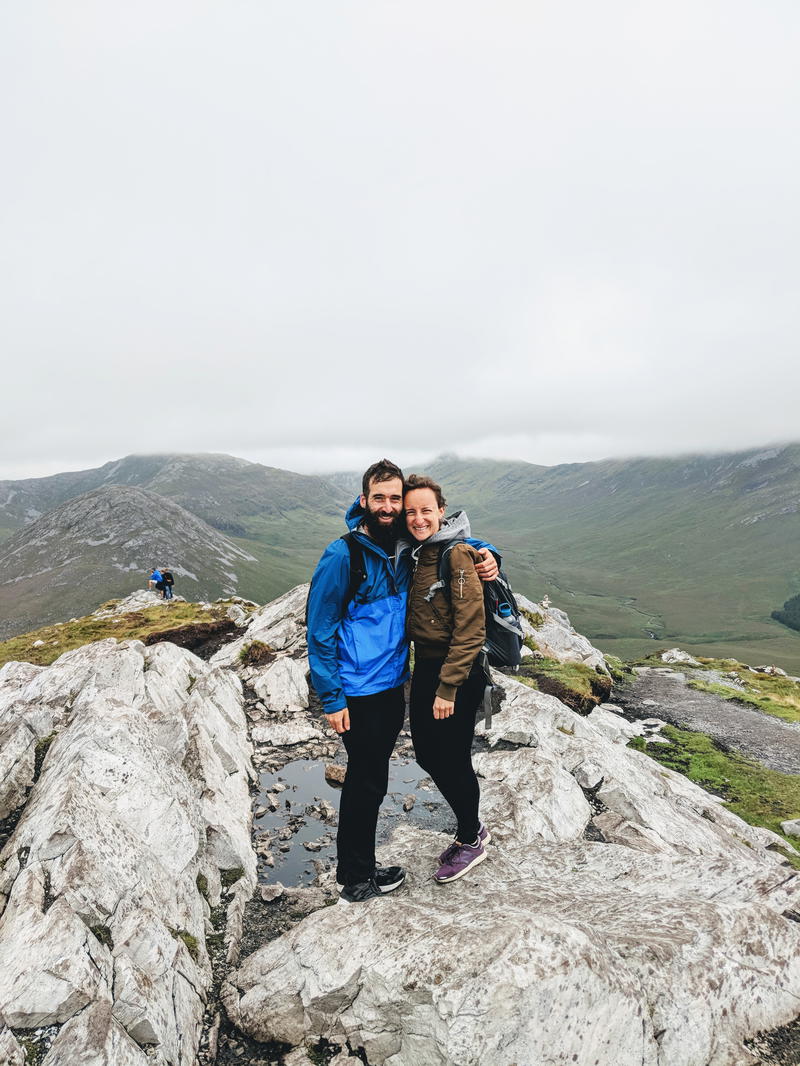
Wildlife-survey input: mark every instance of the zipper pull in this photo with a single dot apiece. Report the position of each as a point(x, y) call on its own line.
point(461, 580)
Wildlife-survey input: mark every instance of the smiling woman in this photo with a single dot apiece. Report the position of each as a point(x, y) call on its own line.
point(448, 628)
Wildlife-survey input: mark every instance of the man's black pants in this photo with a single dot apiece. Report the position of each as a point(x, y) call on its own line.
point(375, 724)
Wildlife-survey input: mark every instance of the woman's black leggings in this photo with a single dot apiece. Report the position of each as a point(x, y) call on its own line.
point(443, 746)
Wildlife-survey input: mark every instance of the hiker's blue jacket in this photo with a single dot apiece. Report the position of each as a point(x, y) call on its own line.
point(360, 648)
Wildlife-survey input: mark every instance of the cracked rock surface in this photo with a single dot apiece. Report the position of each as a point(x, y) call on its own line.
point(141, 801)
point(663, 938)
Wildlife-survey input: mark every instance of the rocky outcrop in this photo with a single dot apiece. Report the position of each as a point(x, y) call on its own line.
point(677, 655)
point(555, 637)
point(107, 883)
point(623, 917)
point(107, 540)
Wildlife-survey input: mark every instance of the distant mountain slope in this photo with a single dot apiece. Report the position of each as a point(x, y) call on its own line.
point(230, 494)
point(102, 544)
point(696, 550)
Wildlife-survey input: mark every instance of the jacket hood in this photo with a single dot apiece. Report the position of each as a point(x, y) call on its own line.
point(355, 515)
point(454, 527)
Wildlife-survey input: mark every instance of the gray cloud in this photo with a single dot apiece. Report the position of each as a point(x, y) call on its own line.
point(311, 234)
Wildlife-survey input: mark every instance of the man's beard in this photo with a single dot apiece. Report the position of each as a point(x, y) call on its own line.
point(383, 535)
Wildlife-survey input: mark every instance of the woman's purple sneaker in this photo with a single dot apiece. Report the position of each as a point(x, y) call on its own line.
point(458, 859)
point(483, 835)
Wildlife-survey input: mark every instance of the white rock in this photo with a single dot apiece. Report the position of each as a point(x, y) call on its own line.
point(557, 639)
point(282, 685)
point(676, 655)
point(792, 827)
point(38, 644)
point(11, 1054)
point(281, 625)
point(145, 786)
point(673, 932)
point(285, 734)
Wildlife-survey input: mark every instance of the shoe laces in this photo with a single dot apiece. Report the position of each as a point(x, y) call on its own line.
point(451, 851)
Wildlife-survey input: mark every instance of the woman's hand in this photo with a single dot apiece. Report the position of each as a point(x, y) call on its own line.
point(442, 708)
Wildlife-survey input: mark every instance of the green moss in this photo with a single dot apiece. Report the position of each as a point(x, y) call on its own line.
point(535, 619)
point(231, 876)
point(202, 885)
point(135, 625)
point(41, 749)
point(529, 642)
point(103, 934)
point(757, 795)
point(580, 687)
point(619, 670)
point(189, 940)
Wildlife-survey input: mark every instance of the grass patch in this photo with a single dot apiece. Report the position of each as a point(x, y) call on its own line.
point(136, 625)
point(757, 795)
point(103, 934)
point(256, 653)
point(231, 876)
point(620, 671)
point(775, 695)
point(535, 619)
point(189, 940)
point(580, 687)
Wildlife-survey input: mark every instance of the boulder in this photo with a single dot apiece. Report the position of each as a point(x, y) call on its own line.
point(142, 798)
point(282, 685)
point(660, 939)
point(555, 636)
point(280, 625)
point(675, 655)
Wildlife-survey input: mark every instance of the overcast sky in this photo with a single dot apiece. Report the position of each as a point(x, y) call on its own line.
point(311, 234)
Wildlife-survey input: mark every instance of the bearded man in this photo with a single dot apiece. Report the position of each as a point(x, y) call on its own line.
point(358, 655)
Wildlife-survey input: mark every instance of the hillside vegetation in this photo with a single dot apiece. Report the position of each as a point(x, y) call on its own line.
point(694, 551)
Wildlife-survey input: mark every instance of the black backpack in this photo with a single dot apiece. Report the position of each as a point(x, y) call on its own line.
point(358, 571)
point(504, 635)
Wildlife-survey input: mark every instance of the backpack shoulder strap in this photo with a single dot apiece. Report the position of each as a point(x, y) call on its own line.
point(358, 569)
point(443, 568)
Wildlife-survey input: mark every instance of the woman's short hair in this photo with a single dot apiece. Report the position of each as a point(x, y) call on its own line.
point(420, 481)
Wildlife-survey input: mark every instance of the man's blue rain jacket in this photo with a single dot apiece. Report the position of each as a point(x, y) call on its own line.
point(360, 648)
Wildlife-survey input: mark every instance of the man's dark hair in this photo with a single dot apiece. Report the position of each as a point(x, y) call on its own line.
point(419, 481)
point(383, 470)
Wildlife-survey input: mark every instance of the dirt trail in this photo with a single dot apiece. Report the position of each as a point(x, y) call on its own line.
point(657, 693)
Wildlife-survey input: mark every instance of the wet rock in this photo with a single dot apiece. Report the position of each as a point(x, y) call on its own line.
point(335, 774)
point(269, 893)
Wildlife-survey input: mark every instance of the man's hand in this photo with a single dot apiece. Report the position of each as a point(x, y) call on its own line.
point(442, 708)
point(340, 721)
point(487, 569)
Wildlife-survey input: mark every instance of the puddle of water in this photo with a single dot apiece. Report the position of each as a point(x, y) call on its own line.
point(305, 787)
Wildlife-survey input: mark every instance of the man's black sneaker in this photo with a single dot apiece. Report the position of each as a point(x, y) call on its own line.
point(361, 892)
point(387, 878)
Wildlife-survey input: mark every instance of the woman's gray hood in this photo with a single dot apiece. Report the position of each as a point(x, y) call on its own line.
point(454, 527)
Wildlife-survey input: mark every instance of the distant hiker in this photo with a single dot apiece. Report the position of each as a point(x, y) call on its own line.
point(358, 655)
point(154, 579)
point(169, 581)
point(448, 629)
